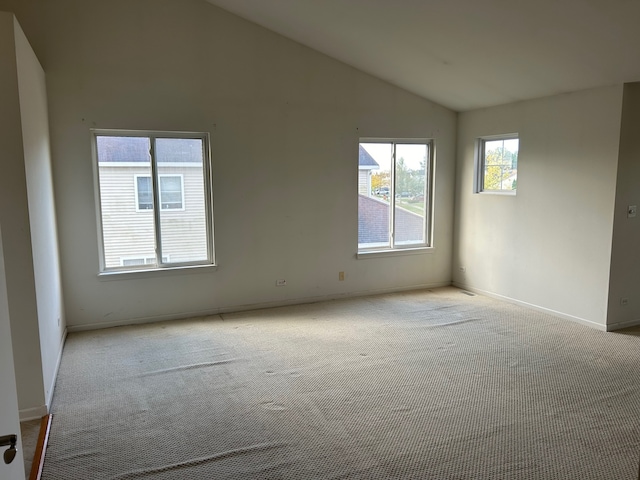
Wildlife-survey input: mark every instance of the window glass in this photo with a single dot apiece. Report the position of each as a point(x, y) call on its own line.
point(145, 195)
point(127, 226)
point(499, 164)
point(170, 192)
point(374, 206)
point(183, 231)
point(393, 195)
point(410, 218)
point(133, 234)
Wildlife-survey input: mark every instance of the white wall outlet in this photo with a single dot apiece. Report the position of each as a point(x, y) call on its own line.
point(462, 269)
point(341, 276)
point(281, 282)
point(631, 211)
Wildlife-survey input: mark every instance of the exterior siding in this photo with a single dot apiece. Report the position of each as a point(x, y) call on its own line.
point(364, 182)
point(129, 233)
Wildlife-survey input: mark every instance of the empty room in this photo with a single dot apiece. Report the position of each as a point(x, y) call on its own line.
point(319, 239)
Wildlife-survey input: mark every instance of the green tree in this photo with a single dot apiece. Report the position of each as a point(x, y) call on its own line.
point(408, 180)
point(499, 165)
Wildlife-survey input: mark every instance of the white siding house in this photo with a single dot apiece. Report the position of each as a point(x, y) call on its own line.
point(366, 164)
point(126, 199)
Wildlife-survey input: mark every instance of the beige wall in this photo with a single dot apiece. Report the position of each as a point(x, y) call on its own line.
point(548, 246)
point(625, 257)
point(42, 216)
point(285, 124)
point(16, 225)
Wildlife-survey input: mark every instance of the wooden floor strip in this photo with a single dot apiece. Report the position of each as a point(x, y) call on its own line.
point(41, 448)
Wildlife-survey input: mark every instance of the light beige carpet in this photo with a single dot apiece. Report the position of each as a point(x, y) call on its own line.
point(420, 385)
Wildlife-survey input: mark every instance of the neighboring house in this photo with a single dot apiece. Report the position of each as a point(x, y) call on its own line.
point(373, 213)
point(127, 201)
point(373, 223)
point(366, 164)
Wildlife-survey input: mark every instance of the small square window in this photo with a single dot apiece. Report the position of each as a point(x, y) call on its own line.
point(497, 165)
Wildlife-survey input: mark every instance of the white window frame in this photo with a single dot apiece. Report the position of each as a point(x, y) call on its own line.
point(391, 248)
point(160, 262)
point(142, 175)
point(478, 181)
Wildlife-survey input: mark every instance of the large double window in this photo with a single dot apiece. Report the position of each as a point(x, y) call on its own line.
point(394, 194)
point(154, 195)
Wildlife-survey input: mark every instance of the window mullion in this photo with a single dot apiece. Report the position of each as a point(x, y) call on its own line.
point(428, 193)
point(208, 190)
point(155, 183)
point(392, 198)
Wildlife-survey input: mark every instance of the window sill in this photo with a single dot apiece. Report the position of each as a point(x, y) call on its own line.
point(155, 272)
point(394, 253)
point(509, 193)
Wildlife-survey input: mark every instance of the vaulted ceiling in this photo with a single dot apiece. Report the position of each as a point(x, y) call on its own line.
point(466, 54)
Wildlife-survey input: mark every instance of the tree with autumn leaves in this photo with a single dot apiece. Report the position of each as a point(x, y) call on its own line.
point(500, 165)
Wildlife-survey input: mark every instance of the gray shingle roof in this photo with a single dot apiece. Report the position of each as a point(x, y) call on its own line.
point(136, 149)
point(366, 160)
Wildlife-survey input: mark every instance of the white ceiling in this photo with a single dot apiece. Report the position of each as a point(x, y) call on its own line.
point(466, 54)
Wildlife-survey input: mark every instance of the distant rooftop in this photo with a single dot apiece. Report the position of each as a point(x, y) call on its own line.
point(136, 149)
point(366, 160)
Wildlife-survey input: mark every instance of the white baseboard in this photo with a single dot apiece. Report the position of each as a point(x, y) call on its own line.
point(538, 308)
point(33, 413)
point(620, 325)
point(248, 307)
point(55, 372)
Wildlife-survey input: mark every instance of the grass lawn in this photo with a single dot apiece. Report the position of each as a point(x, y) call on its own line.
point(415, 207)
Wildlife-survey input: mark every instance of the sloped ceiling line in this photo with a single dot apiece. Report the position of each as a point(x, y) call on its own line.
point(466, 54)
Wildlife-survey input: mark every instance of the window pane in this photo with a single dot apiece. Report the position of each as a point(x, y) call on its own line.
point(171, 192)
point(145, 195)
point(374, 195)
point(500, 164)
point(183, 225)
point(127, 230)
point(410, 211)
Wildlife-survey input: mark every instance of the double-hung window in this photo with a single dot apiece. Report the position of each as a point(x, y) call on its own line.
point(394, 194)
point(154, 197)
point(497, 164)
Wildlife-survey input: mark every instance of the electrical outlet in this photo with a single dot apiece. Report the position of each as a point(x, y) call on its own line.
point(624, 301)
point(463, 269)
point(281, 283)
point(341, 276)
